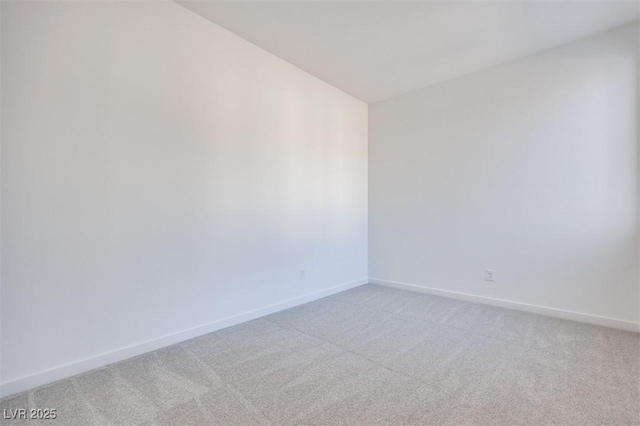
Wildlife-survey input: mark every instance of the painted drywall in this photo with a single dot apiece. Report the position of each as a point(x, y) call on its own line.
point(379, 49)
point(528, 168)
point(160, 174)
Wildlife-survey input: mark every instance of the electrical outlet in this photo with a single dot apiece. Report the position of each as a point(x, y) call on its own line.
point(489, 275)
point(303, 274)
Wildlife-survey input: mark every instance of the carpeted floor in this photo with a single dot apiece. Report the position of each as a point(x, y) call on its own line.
point(367, 356)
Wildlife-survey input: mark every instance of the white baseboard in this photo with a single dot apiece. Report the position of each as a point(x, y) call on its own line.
point(71, 369)
point(519, 306)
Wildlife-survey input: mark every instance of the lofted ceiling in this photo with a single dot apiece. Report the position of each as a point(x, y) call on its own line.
point(378, 49)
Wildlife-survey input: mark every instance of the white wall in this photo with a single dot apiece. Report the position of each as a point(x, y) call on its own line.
point(158, 174)
point(528, 168)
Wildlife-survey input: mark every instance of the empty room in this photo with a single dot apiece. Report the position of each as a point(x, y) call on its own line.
point(319, 212)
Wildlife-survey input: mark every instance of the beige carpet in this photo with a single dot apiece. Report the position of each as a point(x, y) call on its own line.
point(367, 356)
